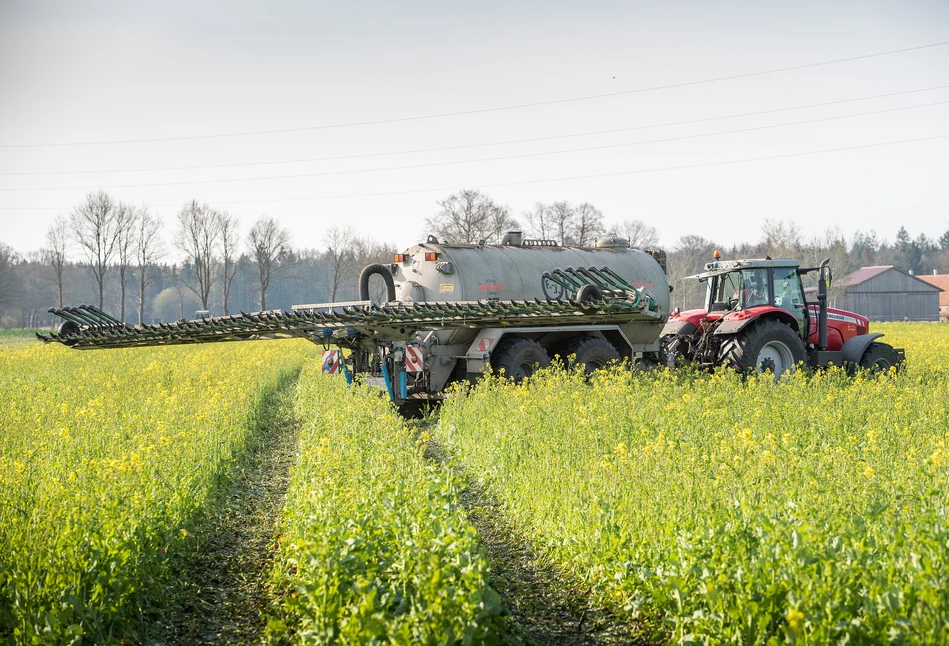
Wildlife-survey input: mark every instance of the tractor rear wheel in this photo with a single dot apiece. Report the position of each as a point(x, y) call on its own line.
point(767, 345)
point(879, 357)
point(519, 358)
point(592, 352)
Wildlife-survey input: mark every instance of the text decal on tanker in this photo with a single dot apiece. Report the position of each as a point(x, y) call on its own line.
point(446, 288)
point(491, 287)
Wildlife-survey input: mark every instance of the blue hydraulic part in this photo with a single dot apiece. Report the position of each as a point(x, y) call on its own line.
point(347, 374)
point(385, 376)
point(403, 389)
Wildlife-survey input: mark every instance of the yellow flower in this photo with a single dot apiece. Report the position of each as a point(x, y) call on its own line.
point(795, 617)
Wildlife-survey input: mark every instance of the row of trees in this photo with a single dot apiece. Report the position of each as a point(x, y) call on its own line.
point(105, 250)
point(120, 251)
point(470, 216)
point(117, 236)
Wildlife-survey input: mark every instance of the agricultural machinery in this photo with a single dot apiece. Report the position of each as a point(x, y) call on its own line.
point(756, 317)
point(450, 312)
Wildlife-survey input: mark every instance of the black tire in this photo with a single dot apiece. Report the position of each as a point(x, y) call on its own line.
point(367, 273)
point(519, 358)
point(766, 345)
point(591, 351)
point(879, 357)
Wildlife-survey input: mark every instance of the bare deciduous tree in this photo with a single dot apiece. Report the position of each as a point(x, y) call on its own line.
point(268, 243)
point(781, 239)
point(55, 255)
point(467, 217)
point(562, 217)
point(341, 251)
point(538, 225)
point(229, 258)
point(501, 223)
point(639, 234)
point(94, 224)
point(148, 250)
point(126, 216)
point(588, 225)
point(197, 236)
point(689, 257)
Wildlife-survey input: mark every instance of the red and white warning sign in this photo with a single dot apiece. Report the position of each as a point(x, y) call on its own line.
point(413, 359)
point(485, 344)
point(330, 362)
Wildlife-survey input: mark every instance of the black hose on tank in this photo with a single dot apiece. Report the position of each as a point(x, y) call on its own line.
point(383, 271)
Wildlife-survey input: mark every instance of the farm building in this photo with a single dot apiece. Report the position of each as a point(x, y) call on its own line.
point(942, 282)
point(885, 293)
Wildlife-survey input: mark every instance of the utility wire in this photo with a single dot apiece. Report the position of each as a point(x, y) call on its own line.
point(479, 160)
point(478, 145)
point(537, 181)
point(483, 110)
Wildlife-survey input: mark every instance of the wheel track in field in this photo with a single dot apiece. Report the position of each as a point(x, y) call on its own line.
point(221, 591)
point(543, 607)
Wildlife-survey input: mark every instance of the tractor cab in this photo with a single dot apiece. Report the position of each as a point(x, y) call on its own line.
point(741, 285)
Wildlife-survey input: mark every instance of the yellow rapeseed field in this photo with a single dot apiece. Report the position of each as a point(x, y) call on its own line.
point(105, 457)
point(808, 511)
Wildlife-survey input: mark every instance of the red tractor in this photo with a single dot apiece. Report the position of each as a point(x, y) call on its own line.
point(756, 318)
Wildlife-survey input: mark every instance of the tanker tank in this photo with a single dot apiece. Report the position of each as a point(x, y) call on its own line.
point(443, 272)
point(514, 271)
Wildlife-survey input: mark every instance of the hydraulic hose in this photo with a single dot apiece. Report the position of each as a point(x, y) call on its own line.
point(367, 273)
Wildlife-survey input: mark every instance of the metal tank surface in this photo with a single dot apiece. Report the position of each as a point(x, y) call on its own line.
point(514, 272)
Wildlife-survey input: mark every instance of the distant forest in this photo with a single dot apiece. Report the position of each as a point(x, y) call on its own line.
point(109, 252)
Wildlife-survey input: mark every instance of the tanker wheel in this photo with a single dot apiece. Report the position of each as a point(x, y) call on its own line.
point(879, 357)
point(592, 352)
point(519, 358)
point(768, 345)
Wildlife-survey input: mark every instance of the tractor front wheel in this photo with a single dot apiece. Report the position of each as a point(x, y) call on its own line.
point(767, 345)
point(519, 358)
point(879, 357)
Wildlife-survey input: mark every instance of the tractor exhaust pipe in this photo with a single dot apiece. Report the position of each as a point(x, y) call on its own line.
point(822, 304)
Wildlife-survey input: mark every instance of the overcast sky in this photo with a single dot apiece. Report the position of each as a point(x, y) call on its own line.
point(89, 73)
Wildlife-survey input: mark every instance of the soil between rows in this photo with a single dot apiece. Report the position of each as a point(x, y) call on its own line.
point(542, 606)
point(220, 595)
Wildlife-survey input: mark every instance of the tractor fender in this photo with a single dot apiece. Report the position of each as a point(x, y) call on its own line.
point(679, 328)
point(854, 347)
point(732, 323)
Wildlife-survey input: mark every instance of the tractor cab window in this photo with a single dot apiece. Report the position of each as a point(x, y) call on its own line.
point(754, 288)
point(787, 292)
point(745, 288)
point(722, 290)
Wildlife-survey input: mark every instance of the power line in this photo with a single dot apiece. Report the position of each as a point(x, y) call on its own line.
point(478, 145)
point(539, 181)
point(479, 160)
point(484, 110)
